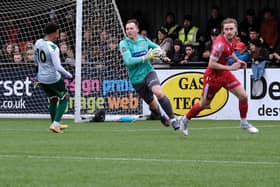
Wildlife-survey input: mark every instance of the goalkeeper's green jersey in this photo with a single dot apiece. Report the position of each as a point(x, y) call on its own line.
point(133, 53)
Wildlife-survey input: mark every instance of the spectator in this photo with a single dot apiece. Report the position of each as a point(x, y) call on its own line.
point(177, 54)
point(190, 34)
point(25, 46)
point(66, 54)
point(28, 56)
point(112, 51)
point(16, 48)
point(241, 53)
point(7, 54)
point(275, 55)
point(164, 41)
point(190, 54)
point(247, 24)
point(258, 57)
point(63, 37)
point(18, 58)
point(269, 28)
point(144, 33)
point(254, 34)
point(113, 43)
point(87, 45)
point(207, 46)
point(170, 26)
point(103, 38)
point(214, 21)
point(29, 46)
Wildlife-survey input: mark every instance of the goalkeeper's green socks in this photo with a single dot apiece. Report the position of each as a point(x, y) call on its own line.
point(60, 109)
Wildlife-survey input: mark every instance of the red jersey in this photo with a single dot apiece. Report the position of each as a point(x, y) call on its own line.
point(221, 52)
point(215, 79)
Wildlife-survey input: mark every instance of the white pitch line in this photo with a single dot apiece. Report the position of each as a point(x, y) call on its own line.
point(82, 158)
point(132, 130)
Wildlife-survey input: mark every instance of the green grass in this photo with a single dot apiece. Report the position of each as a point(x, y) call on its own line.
point(140, 154)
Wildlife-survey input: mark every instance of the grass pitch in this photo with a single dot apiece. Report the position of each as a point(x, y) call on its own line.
point(139, 154)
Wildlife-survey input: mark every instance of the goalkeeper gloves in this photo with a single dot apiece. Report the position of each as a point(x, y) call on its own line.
point(152, 54)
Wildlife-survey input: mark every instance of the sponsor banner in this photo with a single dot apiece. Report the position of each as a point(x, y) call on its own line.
point(184, 88)
point(18, 96)
point(117, 96)
point(264, 95)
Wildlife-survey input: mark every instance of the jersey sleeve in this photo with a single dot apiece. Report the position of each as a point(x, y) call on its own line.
point(127, 56)
point(152, 44)
point(54, 52)
point(35, 56)
point(217, 51)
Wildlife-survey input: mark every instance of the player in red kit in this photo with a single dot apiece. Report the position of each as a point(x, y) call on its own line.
point(218, 74)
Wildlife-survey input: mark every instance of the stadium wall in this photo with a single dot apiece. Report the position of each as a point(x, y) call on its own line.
point(151, 14)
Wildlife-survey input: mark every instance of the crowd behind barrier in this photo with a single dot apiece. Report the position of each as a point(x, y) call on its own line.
point(184, 43)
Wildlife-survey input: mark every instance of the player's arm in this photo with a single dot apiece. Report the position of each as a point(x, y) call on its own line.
point(216, 54)
point(238, 61)
point(127, 56)
point(57, 64)
point(141, 58)
point(152, 44)
point(158, 50)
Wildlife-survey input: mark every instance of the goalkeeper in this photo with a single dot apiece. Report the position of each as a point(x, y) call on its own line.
point(49, 75)
point(138, 52)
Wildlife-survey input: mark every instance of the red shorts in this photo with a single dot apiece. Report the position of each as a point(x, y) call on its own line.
point(213, 82)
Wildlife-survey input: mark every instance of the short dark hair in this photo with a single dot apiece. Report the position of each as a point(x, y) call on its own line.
point(177, 42)
point(51, 28)
point(163, 31)
point(227, 21)
point(133, 21)
point(256, 42)
point(189, 45)
point(188, 17)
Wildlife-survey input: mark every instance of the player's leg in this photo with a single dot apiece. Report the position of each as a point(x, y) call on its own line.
point(208, 92)
point(52, 106)
point(193, 112)
point(61, 107)
point(63, 101)
point(234, 86)
point(154, 107)
point(165, 105)
point(240, 93)
point(147, 95)
point(60, 92)
point(154, 85)
point(145, 90)
point(52, 100)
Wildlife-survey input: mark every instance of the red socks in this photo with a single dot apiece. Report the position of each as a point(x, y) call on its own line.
point(243, 108)
point(196, 108)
